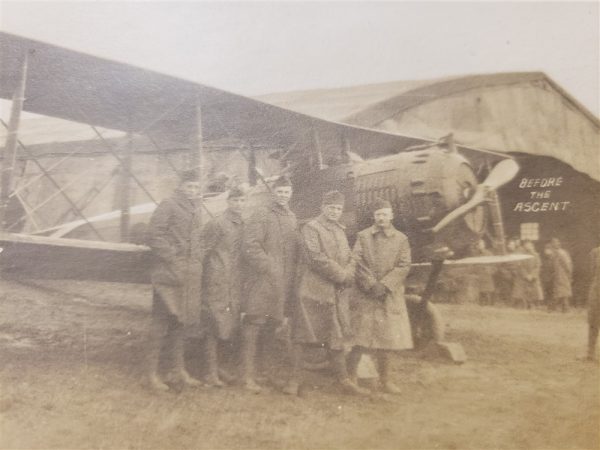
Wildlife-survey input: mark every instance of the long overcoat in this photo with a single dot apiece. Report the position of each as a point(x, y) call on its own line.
point(381, 256)
point(222, 286)
point(173, 236)
point(594, 289)
point(320, 312)
point(270, 247)
point(527, 283)
point(562, 269)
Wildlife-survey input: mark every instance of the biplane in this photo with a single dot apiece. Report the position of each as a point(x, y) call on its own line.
point(444, 192)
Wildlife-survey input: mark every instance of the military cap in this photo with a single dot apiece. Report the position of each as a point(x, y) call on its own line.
point(283, 180)
point(189, 175)
point(236, 192)
point(380, 203)
point(333, 198)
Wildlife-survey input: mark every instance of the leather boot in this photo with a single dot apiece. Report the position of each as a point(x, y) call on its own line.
point(211, 355)
point(293, 385)
point(248, 353)
point(177, 349)
point(338, 362)
point(352, 361)
point(384, 362)
point(155, 339)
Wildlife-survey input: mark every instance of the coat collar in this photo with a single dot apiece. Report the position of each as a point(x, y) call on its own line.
point(329, 224)
point(281, 210)
point(388, 232)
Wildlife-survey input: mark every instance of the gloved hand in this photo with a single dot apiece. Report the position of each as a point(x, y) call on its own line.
point(348, 279)
point(379, 291)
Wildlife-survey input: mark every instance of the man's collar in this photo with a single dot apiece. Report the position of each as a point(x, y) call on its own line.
point(328, 223)
point(388, 232)
point(276, 207)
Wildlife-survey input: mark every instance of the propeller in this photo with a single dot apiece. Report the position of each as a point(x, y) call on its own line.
point(501, 174)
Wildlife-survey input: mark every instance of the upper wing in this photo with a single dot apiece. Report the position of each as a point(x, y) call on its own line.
point(75, 86)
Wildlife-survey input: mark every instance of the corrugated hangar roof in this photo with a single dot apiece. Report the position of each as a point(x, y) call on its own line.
point(524, 112)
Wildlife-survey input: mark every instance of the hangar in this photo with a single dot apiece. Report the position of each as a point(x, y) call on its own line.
point(528, 115)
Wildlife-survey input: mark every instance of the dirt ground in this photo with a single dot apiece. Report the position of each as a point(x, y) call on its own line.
point(71, 360)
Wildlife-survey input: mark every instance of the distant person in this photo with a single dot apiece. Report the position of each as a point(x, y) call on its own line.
point(562, 270)
point(547, 274)
point(505, 275)
point(594, 304)
point(173, 237)
point(320, 313)
point(379, 317)
point(527, 289)
point(534, 292)
point(484, 274)
point(222, 282)
point(270, 247)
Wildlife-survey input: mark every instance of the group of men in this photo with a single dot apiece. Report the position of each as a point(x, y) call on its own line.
point(539, 280)
point(234, 280)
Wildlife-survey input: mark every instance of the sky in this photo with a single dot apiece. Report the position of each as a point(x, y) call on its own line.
point(259, 48)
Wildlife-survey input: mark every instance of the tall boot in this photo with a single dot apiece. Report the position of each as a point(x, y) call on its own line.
point(248, 353)
point(338, 362)
point(352, 361)
point(155, 340)
point(293, 385)
point(384, 363)
point(212, 361)
point(177, 350)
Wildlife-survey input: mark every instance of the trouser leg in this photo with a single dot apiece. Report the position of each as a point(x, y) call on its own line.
point(592, 340)
point(338, 363)
point(176, 347)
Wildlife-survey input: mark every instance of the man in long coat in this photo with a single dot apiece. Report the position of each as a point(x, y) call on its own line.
point(562, 270)
point(270, 250)
point(594, 304)
point(222, 286)
point(173, 237)
point(379, 318)
point(533, 292)
point(320, 313)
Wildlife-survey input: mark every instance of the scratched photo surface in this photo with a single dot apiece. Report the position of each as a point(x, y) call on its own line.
point(303, 225)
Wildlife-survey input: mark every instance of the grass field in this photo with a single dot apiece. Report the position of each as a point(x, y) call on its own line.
point(72, 355)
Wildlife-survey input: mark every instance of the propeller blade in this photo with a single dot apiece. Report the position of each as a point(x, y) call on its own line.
point(501, 174)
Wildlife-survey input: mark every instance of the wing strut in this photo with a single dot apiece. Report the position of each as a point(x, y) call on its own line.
point(10, 149)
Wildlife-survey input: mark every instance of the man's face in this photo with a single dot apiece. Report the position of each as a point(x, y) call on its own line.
point(282, 195)
point(190, 189)
point(555, 244)
point(511, 245)
point(332, 212)
point(383, 217)
point(236, 204)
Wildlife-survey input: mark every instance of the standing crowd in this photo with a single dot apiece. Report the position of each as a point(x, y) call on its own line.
point(236, 283)
point(542, 280)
